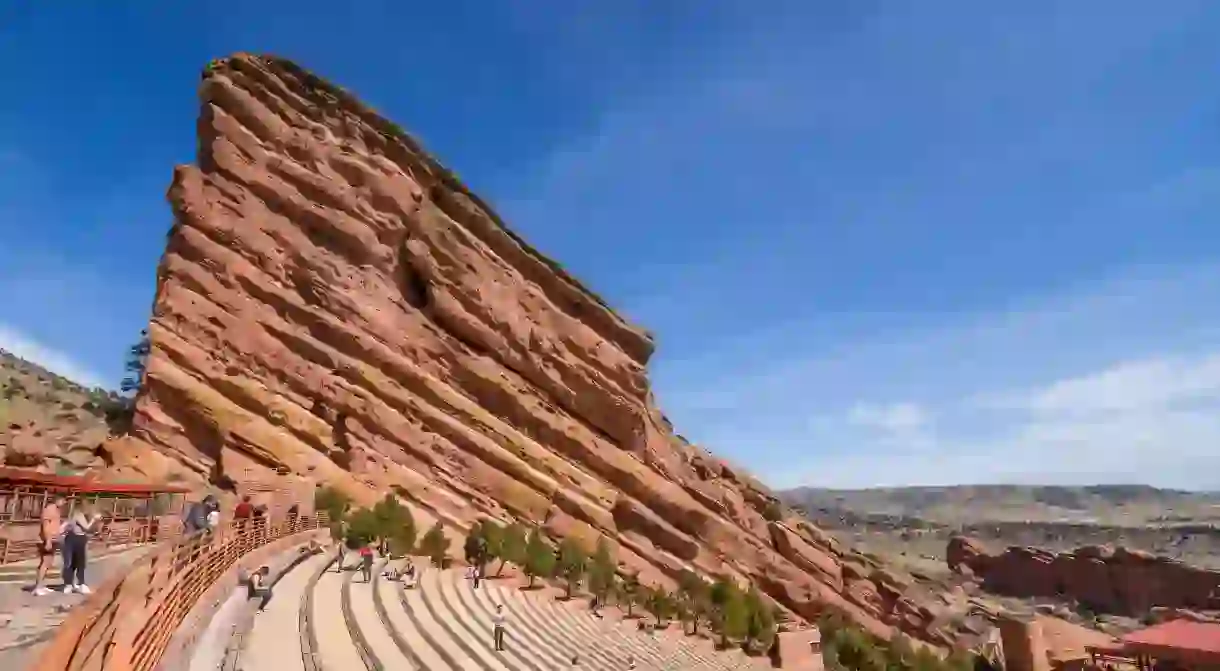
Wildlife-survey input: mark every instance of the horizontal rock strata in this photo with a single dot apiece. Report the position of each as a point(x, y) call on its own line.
point(335, 306)
point(1117, 581)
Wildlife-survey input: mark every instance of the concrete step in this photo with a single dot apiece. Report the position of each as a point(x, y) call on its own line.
point(279, 626)
point(336, 650)
point(372, 628)
point(388, 599)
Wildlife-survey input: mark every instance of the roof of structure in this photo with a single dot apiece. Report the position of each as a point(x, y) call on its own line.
point(76, 483)
point(1183, 635)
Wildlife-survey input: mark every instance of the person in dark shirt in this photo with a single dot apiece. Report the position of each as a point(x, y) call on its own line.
point(259, 587)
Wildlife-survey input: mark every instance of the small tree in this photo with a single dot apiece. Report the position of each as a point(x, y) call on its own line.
point(512, 546)
point(539, 559)
point(728, 610)
point(362, 528)
point(692, 598)
point(331, 501)
point(435, 545)
point(773, 511)
point(136, 363)
point(602, 568)
point(630, 591)
point(474, 548)
point(572, 564)
point(659, 603)
point(760, 621)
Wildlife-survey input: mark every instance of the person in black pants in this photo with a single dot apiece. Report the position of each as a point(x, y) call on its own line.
point(259, 587)
point(497, 631)
point(75, 549)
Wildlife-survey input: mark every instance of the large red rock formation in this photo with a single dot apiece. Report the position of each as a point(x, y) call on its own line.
point(1120, 581)
point(335, 305)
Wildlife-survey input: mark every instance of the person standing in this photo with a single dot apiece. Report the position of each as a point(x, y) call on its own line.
point(49, 528)
point(497, 630)
point(366, 561)
point(76, 549)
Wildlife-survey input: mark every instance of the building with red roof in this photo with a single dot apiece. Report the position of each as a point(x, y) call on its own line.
point(1177, 644)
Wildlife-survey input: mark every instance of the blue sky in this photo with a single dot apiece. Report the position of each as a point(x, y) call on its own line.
point(880, 242)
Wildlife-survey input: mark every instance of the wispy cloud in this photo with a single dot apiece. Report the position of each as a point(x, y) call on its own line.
point(1118, 381)
point(60, 363)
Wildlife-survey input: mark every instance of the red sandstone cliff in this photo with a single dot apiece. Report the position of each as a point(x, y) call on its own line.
point(336, 306)
point(1121, 581)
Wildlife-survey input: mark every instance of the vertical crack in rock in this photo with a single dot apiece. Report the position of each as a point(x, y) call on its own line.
point(333, 298)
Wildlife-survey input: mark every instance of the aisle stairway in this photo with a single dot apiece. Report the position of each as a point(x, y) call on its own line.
point(446, 624)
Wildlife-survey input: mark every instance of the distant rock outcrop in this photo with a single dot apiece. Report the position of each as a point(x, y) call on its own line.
point(334, 304)
point(1119, 581)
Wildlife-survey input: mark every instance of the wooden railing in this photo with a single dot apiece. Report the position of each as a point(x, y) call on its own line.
point(127, 624)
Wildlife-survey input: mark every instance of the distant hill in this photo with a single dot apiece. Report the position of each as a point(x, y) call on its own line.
point(49, 422)
point(1121, 505)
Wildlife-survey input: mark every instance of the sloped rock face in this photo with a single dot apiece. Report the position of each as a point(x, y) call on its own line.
point(333, 304)
point(1119, 581)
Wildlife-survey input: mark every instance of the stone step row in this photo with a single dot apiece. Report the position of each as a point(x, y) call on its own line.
point(444, 623)
point(448, 621)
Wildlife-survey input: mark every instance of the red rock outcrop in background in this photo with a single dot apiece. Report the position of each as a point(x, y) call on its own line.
point(1120, 581)
point(335, 305)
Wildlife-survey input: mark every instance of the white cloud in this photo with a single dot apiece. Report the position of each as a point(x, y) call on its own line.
point(49, 358)
point(893, 418)
point(1113, 381)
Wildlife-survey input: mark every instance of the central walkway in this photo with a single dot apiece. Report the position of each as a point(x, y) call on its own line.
point(446, 624)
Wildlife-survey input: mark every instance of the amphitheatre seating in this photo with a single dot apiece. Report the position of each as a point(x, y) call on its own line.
point(344, 623)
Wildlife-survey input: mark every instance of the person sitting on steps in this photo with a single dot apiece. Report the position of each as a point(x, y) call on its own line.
point(258, 586)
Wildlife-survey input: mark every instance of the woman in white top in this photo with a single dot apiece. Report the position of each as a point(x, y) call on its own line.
point(76, 548)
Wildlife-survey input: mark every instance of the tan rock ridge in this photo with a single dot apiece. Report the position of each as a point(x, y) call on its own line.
point(1119, 581)
point(335, 304)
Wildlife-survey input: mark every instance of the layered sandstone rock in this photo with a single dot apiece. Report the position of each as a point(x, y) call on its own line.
point(334, 304)
point(1120, 581)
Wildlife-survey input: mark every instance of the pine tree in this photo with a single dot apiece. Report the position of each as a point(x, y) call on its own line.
point(571, 565)
point(693, 597)
point(539, 558)
point(474, 549)
point(435, 545)
point(659, 603)
point(362, 528)
point(331, 501)
point(137, 361)
point(630, 591)
point(760, 620)
point(602, 569)
point(493, 538)
point(512, 546)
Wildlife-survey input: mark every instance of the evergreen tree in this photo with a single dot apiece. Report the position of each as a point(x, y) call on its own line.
point(571, 565)
point(435, 545)
point(362, 528)
point(539, 558)
point(760, 620)
point(493, 538)
point(602, 569)
point(394, 524)
point(512, 546)
point(630, 591)
point(331, 501)
point(474, 549)
point(137, 361)
point(693, 598)
point(659, 603)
